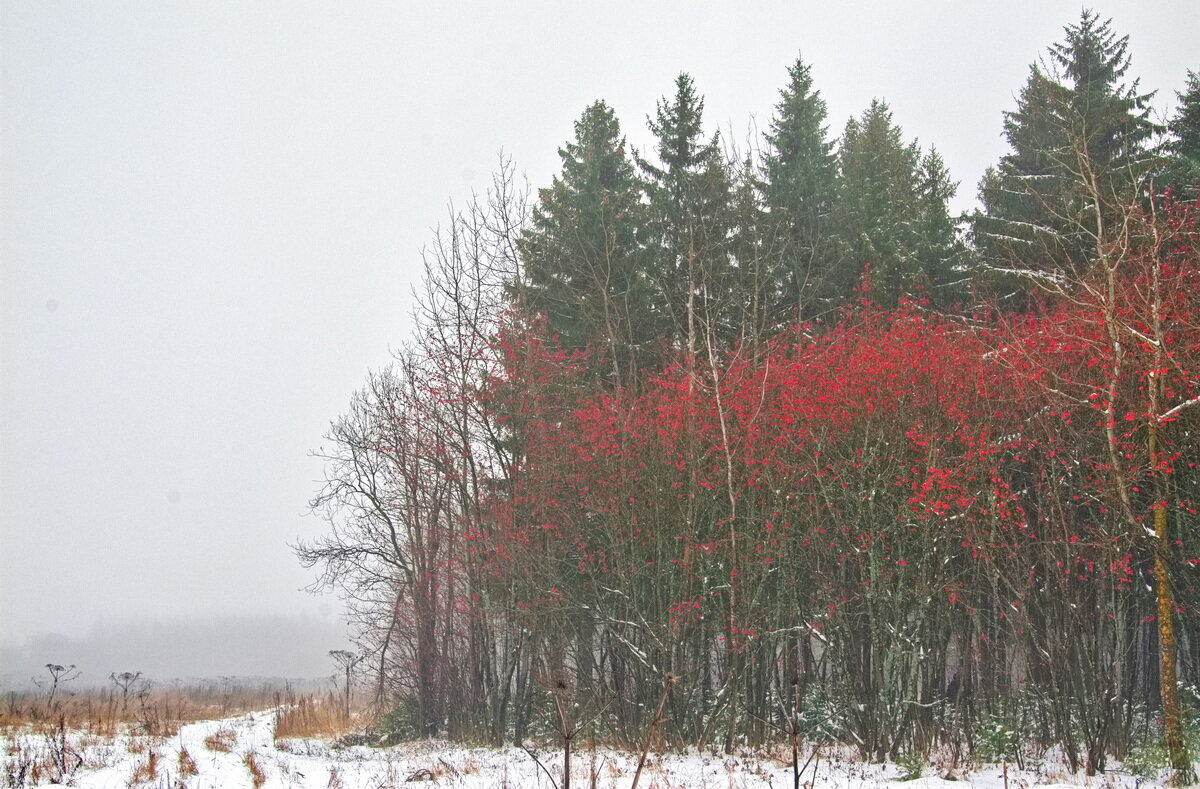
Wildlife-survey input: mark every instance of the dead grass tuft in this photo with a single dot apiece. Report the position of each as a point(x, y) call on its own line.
point(186, 765)
point(146, 772)
point(257, 776)
point(221, 740)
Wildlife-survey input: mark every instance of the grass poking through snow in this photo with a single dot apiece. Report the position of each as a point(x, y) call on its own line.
point(258, 776)
point(221, 740)
point(186, 765)
point(311, 717)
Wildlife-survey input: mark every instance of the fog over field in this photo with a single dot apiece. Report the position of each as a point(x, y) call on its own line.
point(211, 220)
point(271, 647)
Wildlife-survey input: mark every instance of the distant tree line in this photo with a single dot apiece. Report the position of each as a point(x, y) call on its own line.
point(776, 424)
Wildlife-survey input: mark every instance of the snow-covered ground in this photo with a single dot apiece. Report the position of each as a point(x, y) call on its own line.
point(220, 753)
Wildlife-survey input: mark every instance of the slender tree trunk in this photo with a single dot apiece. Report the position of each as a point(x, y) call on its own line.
point(1181, 763)
point(654, 723)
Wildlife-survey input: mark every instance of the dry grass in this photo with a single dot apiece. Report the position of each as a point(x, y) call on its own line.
point(158, 712)
point(46, 753)
point(221, 740)
point(313, 717)
point(187, 765)
point(257, 776)
point(146, 772)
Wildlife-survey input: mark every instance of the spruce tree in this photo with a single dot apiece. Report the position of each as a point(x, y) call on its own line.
point(1183, 147)
point(1014, 222)
point(799, 186)
point(941, 268)
point(1079, 156)
point(688, 195)
point(754, 249)
point(891, 216)
point(581, 255)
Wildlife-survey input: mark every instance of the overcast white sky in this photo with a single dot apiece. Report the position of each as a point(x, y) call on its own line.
point(212, 214)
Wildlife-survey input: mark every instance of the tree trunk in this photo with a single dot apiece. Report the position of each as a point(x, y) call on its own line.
point(1181, 763)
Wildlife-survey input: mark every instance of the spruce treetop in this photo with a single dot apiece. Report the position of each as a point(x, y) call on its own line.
point(1078, 140)
point(798, 145)
point(1183, 147)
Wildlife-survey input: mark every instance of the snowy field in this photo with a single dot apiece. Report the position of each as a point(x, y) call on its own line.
point(242, 752)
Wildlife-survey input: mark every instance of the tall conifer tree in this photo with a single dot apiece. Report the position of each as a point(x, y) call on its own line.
point(891, 213)
point(799, 186)
point(582, 258)
point(941, 252)
point(1183, 147)
point(1079, 155)
point(688, 192)
point(756, 256)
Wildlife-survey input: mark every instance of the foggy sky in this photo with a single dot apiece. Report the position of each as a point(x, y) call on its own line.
point(269, 647)
point(212, 216)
